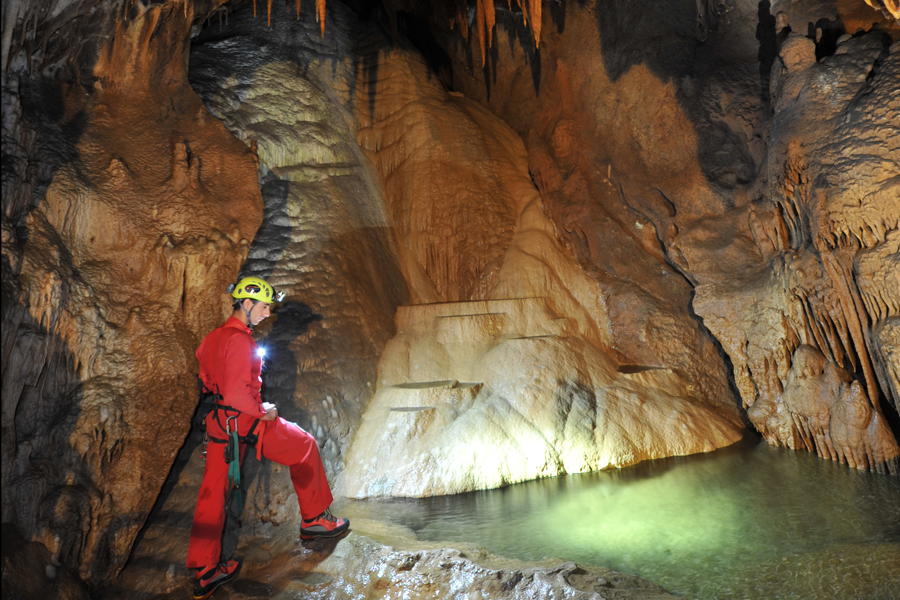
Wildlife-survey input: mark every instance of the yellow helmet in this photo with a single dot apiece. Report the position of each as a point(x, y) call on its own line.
point(255, 289)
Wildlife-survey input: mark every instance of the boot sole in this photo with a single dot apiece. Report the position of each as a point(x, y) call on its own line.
point(219, 583)
point(326, 535)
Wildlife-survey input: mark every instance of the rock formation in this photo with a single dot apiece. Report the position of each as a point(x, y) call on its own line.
point(525, 360)
point(385, 561)
point(125, 205)
point(745, 190)
point(677, 208)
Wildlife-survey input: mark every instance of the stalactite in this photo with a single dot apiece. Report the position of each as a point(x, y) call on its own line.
point(269, 13)
point(535, 16)
point(851, 306)
point(831, 333)
point(843, 332)
point(479, 29)
point(486, 17)
point(320, 15)
point(462, 20)
point(814, 335)
point(490, 18)
point(297, 5)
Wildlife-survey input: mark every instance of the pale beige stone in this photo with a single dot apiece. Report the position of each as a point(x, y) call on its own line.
point(526, 383)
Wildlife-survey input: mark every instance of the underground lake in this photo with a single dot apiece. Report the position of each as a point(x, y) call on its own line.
point(751, 521)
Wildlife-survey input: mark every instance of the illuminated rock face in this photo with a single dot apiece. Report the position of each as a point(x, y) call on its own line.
point(520, 377)
point(760, 170)
point(477, 395)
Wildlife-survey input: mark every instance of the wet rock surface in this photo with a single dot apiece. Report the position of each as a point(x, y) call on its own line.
point(383, 561)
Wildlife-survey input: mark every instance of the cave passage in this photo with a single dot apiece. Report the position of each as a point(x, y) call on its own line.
point(748, 521)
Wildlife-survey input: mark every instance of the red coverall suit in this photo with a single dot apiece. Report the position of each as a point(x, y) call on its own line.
point(229, 363)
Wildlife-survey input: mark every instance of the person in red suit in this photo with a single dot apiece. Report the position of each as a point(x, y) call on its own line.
point(230, 367)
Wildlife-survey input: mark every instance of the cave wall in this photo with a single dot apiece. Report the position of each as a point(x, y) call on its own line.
point(745, 148)
point(126, 208)
point(327, 239)
point(505, 370)
point(702, 179)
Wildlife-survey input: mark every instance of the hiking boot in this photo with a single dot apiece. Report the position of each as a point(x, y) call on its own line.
point(325, 525)
point(209, 578)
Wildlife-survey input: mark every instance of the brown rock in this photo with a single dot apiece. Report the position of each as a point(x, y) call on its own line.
point(678, 145)
point(533, 370)
point(140, 229)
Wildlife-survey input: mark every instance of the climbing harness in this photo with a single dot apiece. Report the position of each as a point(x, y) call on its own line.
point(233, 460)
point(211, 402)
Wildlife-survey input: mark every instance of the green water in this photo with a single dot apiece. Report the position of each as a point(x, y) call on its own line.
point(746, 522)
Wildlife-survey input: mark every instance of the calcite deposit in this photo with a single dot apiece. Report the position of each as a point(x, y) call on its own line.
point(526, 359)
point(835, 208)
point(517, 241)
point(476, 395)
point(748, 184)
point(114, 259)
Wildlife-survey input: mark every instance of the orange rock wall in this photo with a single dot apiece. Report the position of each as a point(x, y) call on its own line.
point(742, 171)
point(110, 280)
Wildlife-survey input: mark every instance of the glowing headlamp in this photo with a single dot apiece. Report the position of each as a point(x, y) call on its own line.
point(261, 352)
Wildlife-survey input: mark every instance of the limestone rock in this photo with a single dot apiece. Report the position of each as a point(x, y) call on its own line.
point(384, 563)
point(533, 370)
point(110, 278)
point(452, 574)
point(479, 395)
point(830, 249)
point(824, 410)
point(762, 171)
point(327, 238)
point(612, 147)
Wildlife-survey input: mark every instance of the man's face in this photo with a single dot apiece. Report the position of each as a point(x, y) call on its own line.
point(259, 312)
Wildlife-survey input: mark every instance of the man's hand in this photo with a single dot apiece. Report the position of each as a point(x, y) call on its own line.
point(271, 412)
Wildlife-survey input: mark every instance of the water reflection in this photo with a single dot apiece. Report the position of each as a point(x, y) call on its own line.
point(749, 521)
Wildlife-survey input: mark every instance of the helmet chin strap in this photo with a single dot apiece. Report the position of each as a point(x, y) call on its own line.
point(247, 312)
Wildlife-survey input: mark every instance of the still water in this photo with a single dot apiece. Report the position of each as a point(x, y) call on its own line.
point(746, 522)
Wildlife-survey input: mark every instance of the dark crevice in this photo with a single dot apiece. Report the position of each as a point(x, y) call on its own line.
point(768, 47)
point(692, 283)
point(826, 33)
point(418, 31)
